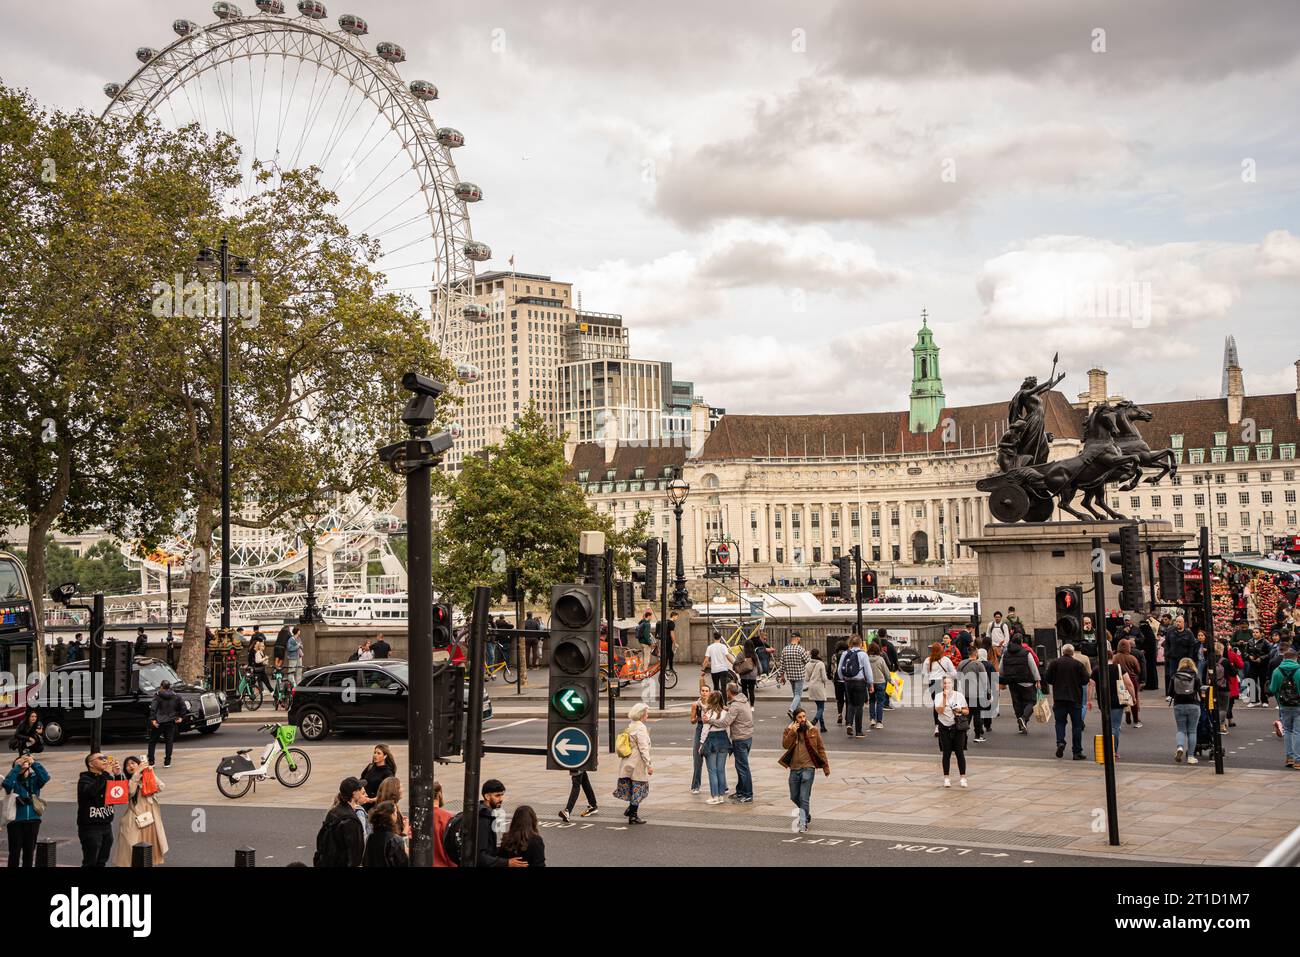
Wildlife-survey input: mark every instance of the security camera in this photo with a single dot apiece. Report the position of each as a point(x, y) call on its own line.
point(423, 385)
point(64, 593)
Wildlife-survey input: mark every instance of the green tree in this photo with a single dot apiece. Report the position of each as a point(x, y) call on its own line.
point(513, 506)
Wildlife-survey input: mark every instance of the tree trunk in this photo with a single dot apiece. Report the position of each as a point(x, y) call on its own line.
point(36, 533)
point(196, 615)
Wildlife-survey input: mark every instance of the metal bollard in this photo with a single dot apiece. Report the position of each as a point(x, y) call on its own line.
point(47, 853)
point(245, 857)
point(142, 854)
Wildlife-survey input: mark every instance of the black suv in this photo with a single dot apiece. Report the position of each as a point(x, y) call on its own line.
point(64, 714)
point(377, 701)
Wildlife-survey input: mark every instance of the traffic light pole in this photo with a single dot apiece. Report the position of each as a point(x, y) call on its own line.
point(474, 728)
point(1103, 695)
point(611, 671)
point(96, 666)
point(665, 648)
point(857, 576)
point(1207, 606)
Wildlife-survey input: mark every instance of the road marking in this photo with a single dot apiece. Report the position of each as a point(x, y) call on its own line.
point(512, 724)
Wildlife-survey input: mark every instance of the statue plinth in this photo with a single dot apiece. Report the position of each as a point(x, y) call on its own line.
point(1021, 564)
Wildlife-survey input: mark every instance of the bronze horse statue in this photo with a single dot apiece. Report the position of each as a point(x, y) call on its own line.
point(1131, 442)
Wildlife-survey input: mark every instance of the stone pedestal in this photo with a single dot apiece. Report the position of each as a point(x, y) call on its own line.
point(1020, 565)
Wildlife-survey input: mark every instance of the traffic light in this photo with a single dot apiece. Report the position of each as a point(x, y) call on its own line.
point(441, 625)
point(1129, 560)
point(625, 599)
point(844, 575)
point(572, 715)
point(514, 587)
point(1069, 613)
point(120, 678)
point(868, 584)
point(1171, 578)
point(648, 589)
point(448, 710)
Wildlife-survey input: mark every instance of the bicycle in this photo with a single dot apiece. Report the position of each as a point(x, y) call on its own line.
point(630, 669)
point(249, 692)
point(502, 667)
point(283, 693)
point(236, 774)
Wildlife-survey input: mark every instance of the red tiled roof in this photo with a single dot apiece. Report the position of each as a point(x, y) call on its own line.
point(871, 433)
point(590, 457)
point(1198, 420)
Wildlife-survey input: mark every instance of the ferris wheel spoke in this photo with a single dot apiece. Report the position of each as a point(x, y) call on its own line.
point(337, 137)
point(314, 106)
point(362, 161)
point(288, 107)
point(366, 231)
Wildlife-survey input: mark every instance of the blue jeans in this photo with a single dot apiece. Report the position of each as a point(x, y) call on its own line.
point(1290, 731)
point(697, 759)
point(796, 691)
point(801, 782)
point(715, 760)
point(1186, 718)
point(744, 780)
point(1070, 710)
point(819, 718)
point(878, 699)
point(1116, 722)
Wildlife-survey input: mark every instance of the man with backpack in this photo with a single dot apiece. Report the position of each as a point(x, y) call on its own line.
point(341, 840)
point(1258, 652)
point(854, 669)
point(1285, 684)
point(489, 810)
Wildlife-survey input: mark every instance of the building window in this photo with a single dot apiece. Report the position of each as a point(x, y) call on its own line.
point(1266, 436)
point(1220, 478)
point(1178, 501)
point(1178, 521)
point(1220, 498)
point(1286, 451)
point(893, 517)
point(1241, 454)
point(1223, 545)
point(854, 519)
point(1176, 440)
point(1245, 519)
point(1223, 519)
point(1218, 455)
point(1289, 496)
point(1134, 503)
point(780, 556)
point(1266, 476)
point(1199, 498)
point(895, 554)
point(1200, 519)
point(1243, 498)
point(1221, 439)
point(1196, 457)
point(1155, 501)
point(1268, 519)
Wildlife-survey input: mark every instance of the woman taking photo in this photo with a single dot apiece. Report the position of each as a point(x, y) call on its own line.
point(385, 847)
point(24, 781)
point(934, 669)
point(524, 839)
point(28, 735)
point(697, 734)
point(142, 822)
point(716, 745)
point(952, 717)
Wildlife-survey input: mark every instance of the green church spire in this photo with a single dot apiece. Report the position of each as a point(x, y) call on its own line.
point(927, 399)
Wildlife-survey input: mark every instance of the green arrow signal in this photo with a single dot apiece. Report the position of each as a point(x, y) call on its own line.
point(571, 701)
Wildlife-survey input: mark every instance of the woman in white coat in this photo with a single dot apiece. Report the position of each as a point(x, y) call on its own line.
point(142, 821)
point(635, 768)
point(819, 688)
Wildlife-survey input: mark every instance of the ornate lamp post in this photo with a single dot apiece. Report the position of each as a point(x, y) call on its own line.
point(217, 262)
point(678, 489)
point(310, 613)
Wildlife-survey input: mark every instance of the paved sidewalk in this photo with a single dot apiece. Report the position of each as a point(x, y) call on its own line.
point(1167, 813)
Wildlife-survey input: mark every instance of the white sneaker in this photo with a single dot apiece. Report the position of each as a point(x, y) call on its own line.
point(962, 782)
point(714, 800)
point(1138, 724)
point(1193, 761)
point(936, 731)
point(947, 783)
point(1178, 755)
point(695, 790)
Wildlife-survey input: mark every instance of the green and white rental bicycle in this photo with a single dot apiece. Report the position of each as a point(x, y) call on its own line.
point(236, 774)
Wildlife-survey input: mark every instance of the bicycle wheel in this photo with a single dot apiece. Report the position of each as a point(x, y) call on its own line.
point(508, 674)
point(670, 679)
point(602, 683)
point(296, 776)
point(252, 698)
point(232, 788)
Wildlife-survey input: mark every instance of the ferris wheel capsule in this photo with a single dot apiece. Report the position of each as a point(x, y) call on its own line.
point(111, 90)
point(468, 372)
point(184, 28)
point(477, 251)
point(424, 90)
point(474, 312)
point(455, 430)
point(353, 24)
point(145, 54)
point(225, 10)
point(312, 8)
point(391, 52)
point(469, 192)
point(449, 137)
point(271, 7)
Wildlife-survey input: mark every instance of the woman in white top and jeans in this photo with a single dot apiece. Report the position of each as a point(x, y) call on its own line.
point(950, 706)
point(934, 669)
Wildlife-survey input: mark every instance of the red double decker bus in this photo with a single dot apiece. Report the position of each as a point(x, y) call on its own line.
point(17, 640)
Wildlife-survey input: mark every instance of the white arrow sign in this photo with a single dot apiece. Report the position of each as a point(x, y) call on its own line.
point(563, 747)
point(571, 699)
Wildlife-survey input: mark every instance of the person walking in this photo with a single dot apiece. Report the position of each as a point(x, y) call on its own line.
point(142, 820)
point(748, 668)
point(524, 839)
point(738, 722)
point(165, 711)
point(1132, 665)
point(999, 634)
point(1067, 677)
point(818, 687)
point(1285, 686)
point(533, 640)
point(386, 845)
point(141, 641)
point(792, 666)
point(841, 646)
point(1184, 689)
point(1020, 675)
point(952, 715)
point(697, 734)
point(635, 769)
point(257, 662)
point(1121, 695)
point(934, 669)
point(293, 655)
point(668, 640)
point(718, 661)
point(381, 767)
point(1258, 652)
point(59, 652)
point(24, 781)
point(94, 813)
point(975, 688)
point(716, 745)
point(804, 755)
point(1181, 643)
point(855, 672)
point(878, 698)
point(280, 651)
point(579, 781)
point(1149, 646)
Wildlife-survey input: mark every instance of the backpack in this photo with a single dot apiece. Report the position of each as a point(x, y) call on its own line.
point(329, 853)
point(643, 633)
point(451, 838)
point(1184, 683)
point(623, 744)
point(851, 665)
point(1220, 675)
point(1288, 695)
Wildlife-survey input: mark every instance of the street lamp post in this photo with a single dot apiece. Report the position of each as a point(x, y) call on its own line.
point(310, 613)
point(210, 262)
point(678, 489)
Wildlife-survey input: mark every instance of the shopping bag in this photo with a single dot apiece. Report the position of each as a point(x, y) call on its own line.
point(895, 686)
point(115, 792)
point(1043, 709)
point(8, 807)
point(148, 782)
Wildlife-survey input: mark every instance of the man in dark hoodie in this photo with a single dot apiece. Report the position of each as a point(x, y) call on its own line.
point(494, 795)
point(94, 814)
point(343, 833)
point(164, 720)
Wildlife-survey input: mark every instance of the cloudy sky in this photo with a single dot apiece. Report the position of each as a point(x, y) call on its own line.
point(770, 193)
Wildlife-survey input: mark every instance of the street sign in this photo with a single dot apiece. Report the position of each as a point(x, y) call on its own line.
point(570, 748)
point(724, 553)
point(571, 701)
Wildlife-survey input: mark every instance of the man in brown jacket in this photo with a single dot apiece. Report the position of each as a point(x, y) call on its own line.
point(804, 754)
